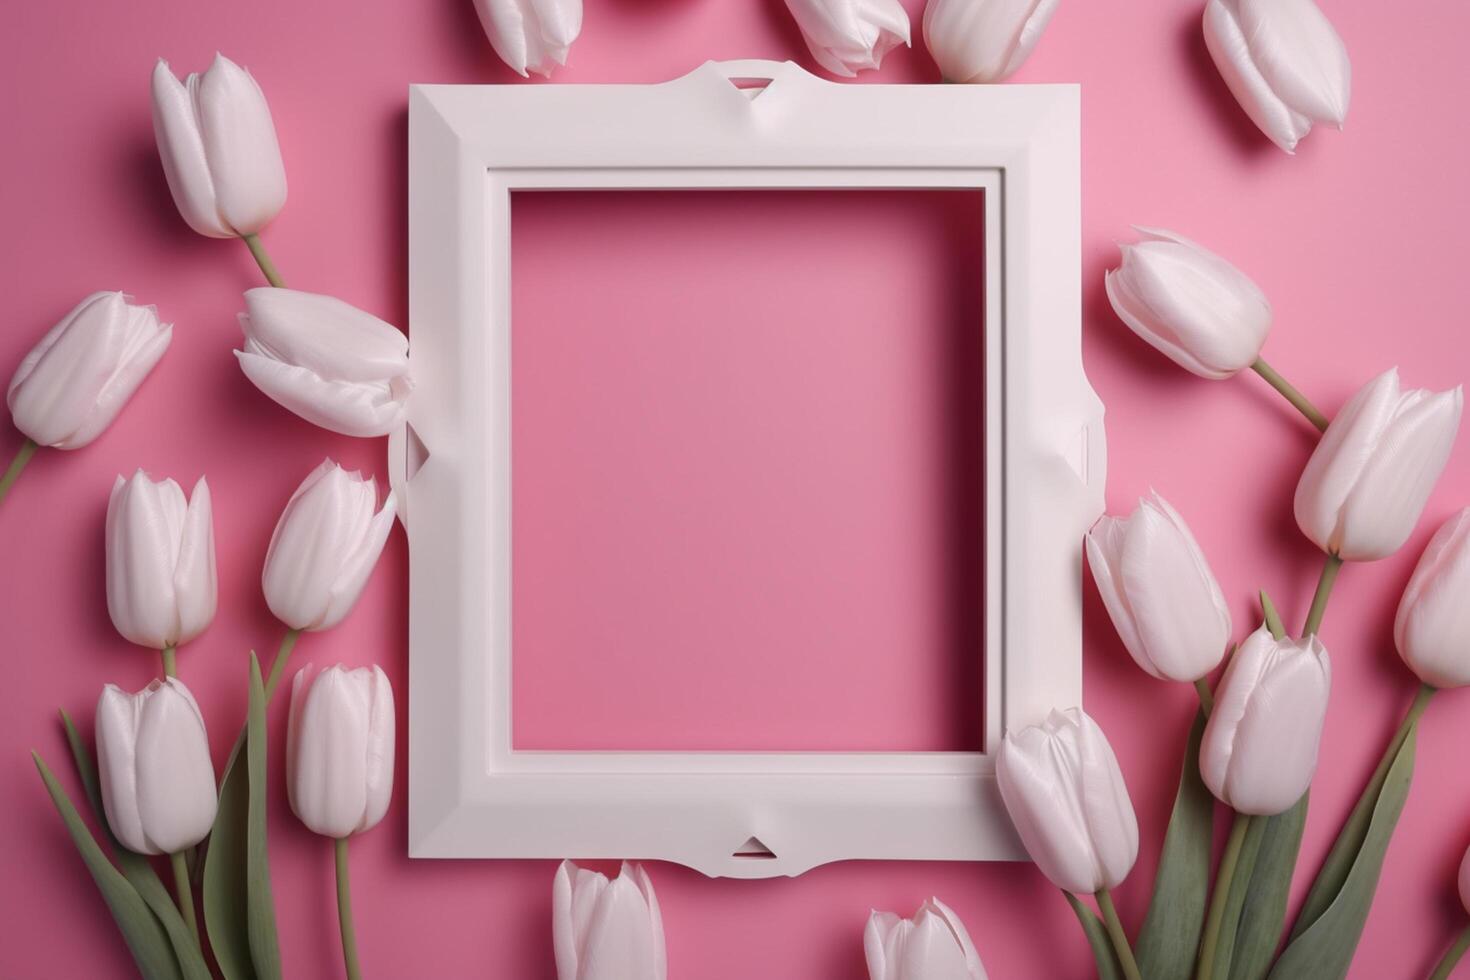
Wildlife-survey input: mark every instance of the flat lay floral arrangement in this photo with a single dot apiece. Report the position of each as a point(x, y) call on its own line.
point(180, 853)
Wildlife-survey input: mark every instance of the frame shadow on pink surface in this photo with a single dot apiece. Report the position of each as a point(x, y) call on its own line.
point(748, 444)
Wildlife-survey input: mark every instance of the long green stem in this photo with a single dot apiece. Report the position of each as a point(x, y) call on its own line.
point(1117, 935)
point(27, 450)
point(344, 912)
point(185, 891)
point(1452, 957)
point(1330, 568)
point(1206, 696)
point(170, 661)
point(278, 666)
point(1216, 916)
point(1289, 392)
point(263, 259)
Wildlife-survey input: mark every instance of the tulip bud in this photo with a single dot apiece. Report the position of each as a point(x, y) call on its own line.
point(984, 40)
point(219, 149)
point(1065, 793)
point(933, 945)
point(847, 36)
point(606, 930)
point(74, 382)
point(1160, 592)
point(1432, 629)
point(1200, 311)
point(330, 363)
point(153, 764)
point(324, 547)
point(1284, 64)
point(531, 35)
point(339, 749)
point(1368, 479)
point(161, 585)
point(1260, 745)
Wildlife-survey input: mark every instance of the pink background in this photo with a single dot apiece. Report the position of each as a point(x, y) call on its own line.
point(1359, 242)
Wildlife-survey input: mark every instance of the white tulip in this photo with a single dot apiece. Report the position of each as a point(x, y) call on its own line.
point(1199, 310)
point(933, 945)
point(339, 749)
point(1065, 794)
point(1159, 591)
point(153, 763)
point(330, 363)
point(1369, 477)
point(219, 149)
point(324, 547)
point(531, 35)
point(606, 930)
point(161, 584)
point(1284, 64)
point(1260, 745)
point(984, 40)
point(1432, 629)
point(73, 383)
point(848, 36)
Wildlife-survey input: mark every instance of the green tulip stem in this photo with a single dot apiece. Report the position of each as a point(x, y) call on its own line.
point(278, 666)
point(263, 259)
point(1330, 568)
point(185, 891)
point(1115, 932)
point(1289, 392)
point(1215, 920)
point(344, 912)
point(1206, 696)
point(170, 661)
point(27, 450)
point(1452, 957)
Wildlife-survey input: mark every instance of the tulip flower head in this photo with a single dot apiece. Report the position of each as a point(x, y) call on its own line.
point(219, 149)
point(1260, 745)
point(339, 749)
point(1200, 311)
point(1432, 629)
point(933, 945)
point(330, 363)
point(531, 35)
point(73, 383)
point(848, 36)
point(1368, 479)
point(606, 930)
point(984, 40)
point(162, 588)
point(324, 547)
point(153, 763)
point(1065, 793)
point(1284, 63)
point(1159, 591)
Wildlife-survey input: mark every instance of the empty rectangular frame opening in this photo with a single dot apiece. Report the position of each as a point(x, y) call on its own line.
point(748, 470)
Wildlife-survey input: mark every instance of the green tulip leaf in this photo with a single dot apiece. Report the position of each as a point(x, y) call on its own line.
point(224, 873)
point(265, 950)
point(1263, 914)
point(1325, 948)
point(1168, 944)
point(1097, 937)
point(135, 867)
point(146, 939)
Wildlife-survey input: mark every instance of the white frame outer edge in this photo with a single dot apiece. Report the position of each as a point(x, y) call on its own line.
point(748, 124)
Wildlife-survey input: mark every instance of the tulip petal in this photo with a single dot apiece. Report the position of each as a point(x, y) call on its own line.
point(381, 734)
point(619, 943)
point(181, 148)
point(1432, 628)
point(118, 717)
point(984, 40)
point(563, 933)
point(1106, 806)
point(329, 762)
point(880, 927)
point(332, 339)
point(930, 951)
point(976, 970)
point(196, 584)
point(318, 537)
point(357, 566)
point(1300, 56)
point(363, 409)
point(147, 347)
point(1226, 41)
point(1104, 556)
point(1388, 497)
point(176, 788)
point(240, 146)
point(145, 523)
point(656, 922)
point(848, 36)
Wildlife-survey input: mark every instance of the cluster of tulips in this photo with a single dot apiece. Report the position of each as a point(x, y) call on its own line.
point(152, 787)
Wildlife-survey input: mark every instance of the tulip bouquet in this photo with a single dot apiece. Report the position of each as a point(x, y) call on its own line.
point(1254, 744)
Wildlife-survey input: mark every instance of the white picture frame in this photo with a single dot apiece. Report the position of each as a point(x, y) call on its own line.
point(749, 124)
